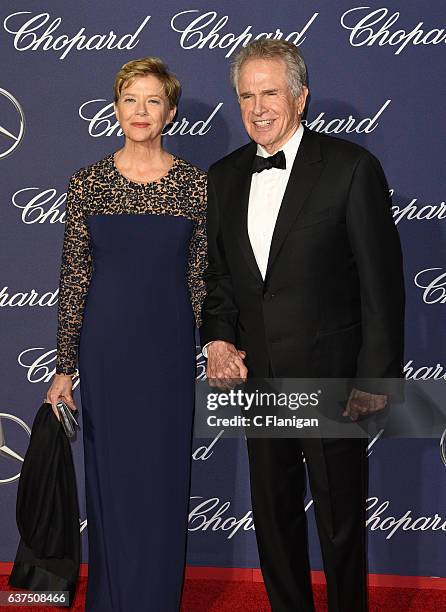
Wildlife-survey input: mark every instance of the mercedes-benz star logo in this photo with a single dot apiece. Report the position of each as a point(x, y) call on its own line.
point(7, 452)
point(14, 118)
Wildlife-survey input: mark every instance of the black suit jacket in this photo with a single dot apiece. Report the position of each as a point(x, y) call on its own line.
point(332, 302)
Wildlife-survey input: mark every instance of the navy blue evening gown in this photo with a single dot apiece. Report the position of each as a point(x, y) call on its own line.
point(131, 283)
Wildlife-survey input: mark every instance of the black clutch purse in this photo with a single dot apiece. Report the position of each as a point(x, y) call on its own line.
point(67, 419)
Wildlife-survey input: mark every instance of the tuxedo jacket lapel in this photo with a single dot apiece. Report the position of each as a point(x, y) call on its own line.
point(306, 170)
point(307, 167)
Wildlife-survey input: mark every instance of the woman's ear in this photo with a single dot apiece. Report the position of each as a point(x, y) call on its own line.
point(171, 115)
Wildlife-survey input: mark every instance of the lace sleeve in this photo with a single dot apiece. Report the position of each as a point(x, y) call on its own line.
point(198, 256)
point(75, 275)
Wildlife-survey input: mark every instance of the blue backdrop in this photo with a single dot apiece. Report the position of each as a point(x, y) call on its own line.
point(376, 78)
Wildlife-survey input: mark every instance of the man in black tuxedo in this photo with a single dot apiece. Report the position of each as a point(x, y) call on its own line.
point(304, 280)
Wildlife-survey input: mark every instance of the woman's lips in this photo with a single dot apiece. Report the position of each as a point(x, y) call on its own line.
point(142, 125)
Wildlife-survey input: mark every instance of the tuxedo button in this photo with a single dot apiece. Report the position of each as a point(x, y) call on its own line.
point(268, 296)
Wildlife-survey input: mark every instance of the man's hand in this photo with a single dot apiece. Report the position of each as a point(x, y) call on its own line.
point(361, 403)
point(225, 367)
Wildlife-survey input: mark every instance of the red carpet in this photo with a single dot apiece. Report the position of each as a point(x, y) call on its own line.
point(214, 596)
point(225, 596)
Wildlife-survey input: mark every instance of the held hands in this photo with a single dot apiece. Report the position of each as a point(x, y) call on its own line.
point(225, 368)
point(61, 388)
point(361, 403)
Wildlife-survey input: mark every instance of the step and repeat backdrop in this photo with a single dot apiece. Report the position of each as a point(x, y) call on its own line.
point(376, 78)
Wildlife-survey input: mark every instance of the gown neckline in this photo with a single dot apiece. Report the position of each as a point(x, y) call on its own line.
point(157, 181)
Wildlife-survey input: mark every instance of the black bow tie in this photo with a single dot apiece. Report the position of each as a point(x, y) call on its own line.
point(273, 161)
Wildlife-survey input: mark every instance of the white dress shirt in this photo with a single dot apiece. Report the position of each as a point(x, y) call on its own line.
point(265, 197)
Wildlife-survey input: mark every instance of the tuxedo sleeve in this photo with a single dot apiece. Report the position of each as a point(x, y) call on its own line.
point(377, 252)
point(219, 313)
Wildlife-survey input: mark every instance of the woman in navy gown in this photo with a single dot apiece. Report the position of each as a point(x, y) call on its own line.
point(131, 288)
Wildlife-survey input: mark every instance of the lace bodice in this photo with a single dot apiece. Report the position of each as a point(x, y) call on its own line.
point(100, 189)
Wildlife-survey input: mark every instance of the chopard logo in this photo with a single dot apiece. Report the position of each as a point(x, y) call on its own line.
point(30, 34)
point(200, 364)
point(437, 372)
point(433, 284)
point(102, 122)
point(348, 124)
point(407, 522)
point(207, 515)
point(40, 369)
point(33, 203)
point(368, 27)
point(208, 30)
point(12, 455)
point(12, 126)
point(413, 211)
point(203, 453)
point(210, 515)
point(27, 298)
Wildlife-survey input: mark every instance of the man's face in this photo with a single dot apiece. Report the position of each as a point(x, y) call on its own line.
point(270, 113)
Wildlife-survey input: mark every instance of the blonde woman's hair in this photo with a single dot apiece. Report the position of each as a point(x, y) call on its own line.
point(146, 66)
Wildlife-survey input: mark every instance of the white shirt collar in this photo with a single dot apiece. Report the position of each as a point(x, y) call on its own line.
point(290, 148)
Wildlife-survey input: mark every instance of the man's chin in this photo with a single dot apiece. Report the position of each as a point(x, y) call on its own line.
point(263, 139)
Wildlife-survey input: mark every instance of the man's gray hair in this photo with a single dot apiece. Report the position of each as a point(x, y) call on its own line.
point(267, 48)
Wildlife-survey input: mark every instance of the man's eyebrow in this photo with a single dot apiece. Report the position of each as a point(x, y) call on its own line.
point(264, 91)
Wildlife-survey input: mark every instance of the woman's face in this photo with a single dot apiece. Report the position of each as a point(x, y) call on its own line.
point(143, 109)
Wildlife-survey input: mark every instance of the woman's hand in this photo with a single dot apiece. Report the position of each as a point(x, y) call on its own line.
point(61, 388)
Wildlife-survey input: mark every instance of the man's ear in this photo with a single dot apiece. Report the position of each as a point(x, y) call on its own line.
point(302, 99)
